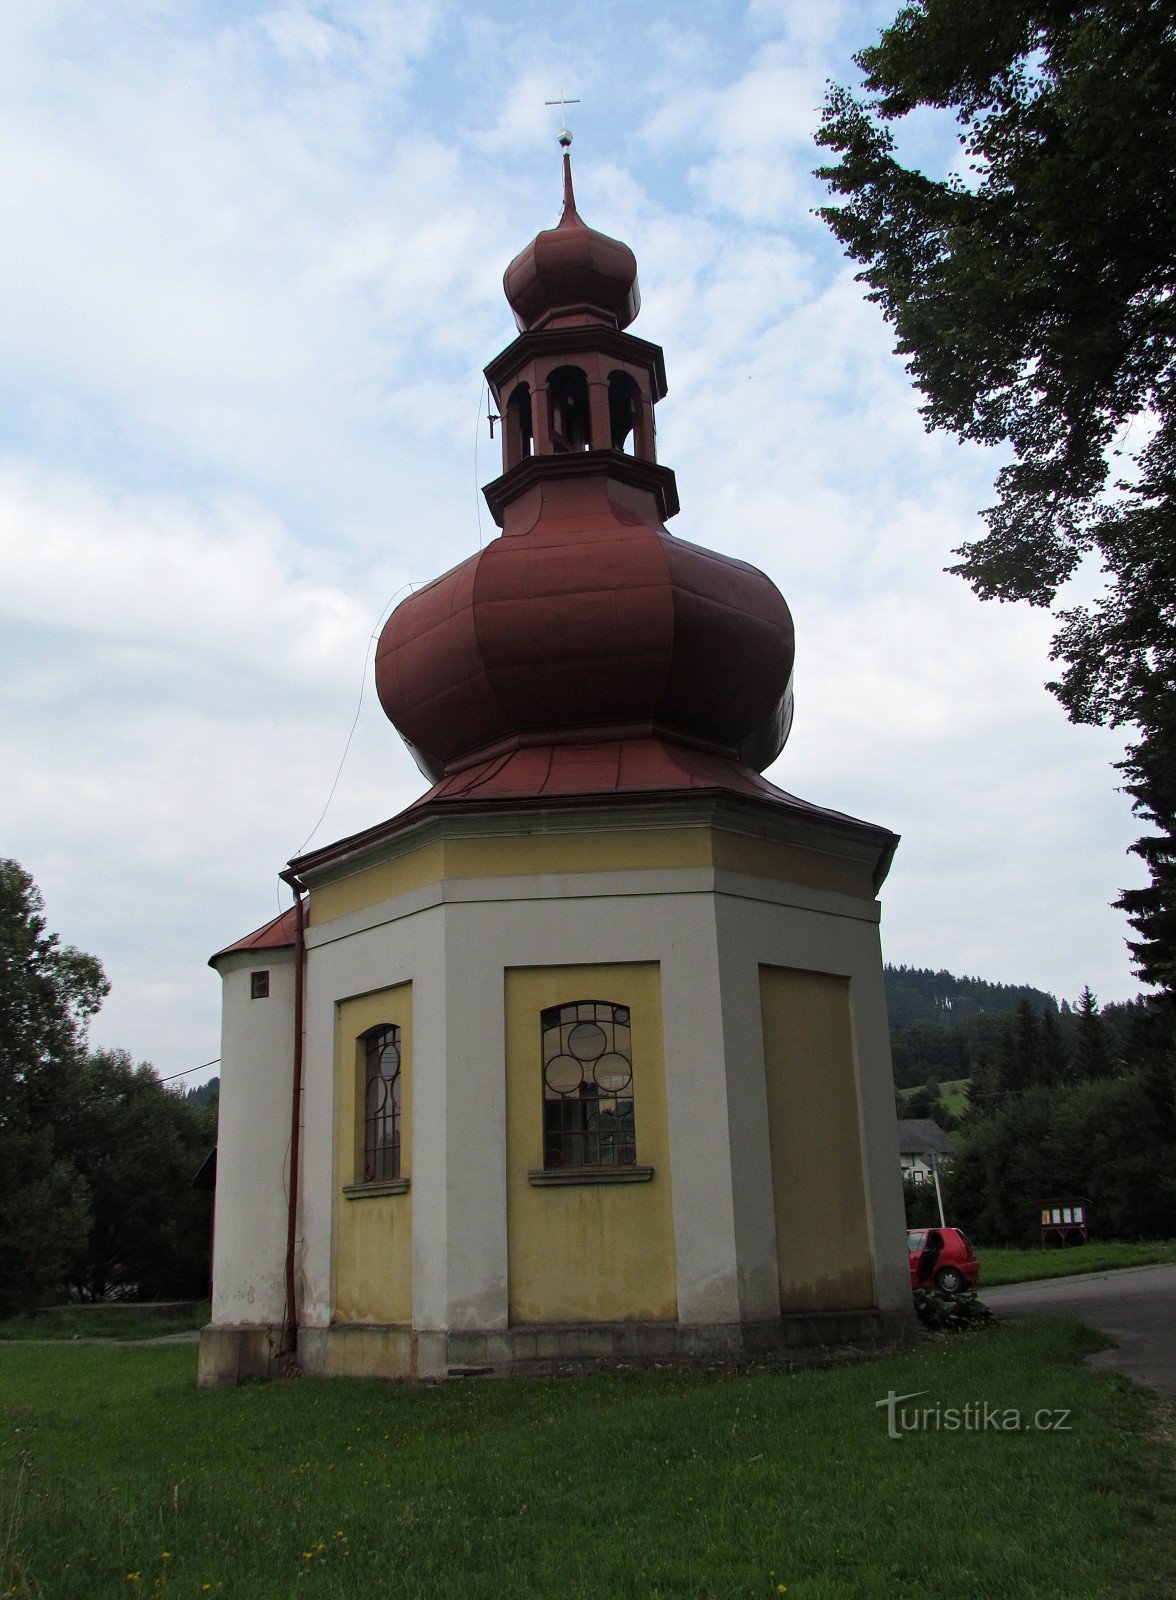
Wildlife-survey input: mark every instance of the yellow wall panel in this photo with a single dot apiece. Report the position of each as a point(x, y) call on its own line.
point(383, 881)
point(822, 1229)
point(638, 850)
point(587, 1253)
point(815, 869)
point(373, 1234)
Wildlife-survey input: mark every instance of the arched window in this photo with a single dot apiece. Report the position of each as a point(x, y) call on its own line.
point(519, 435)
point(381, 1105)
point(625, 412)
point(567, 401)
point(587, 1086)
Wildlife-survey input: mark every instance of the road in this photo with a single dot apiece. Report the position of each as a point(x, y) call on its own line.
point(1135, 1306)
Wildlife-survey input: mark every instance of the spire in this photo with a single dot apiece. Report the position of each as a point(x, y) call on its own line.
point(569, 205)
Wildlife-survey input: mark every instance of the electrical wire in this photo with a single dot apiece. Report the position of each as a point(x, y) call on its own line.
point(484, 394)
point(477, 437)
point(171, 1078)
point(354, 721)
point(96, 1095)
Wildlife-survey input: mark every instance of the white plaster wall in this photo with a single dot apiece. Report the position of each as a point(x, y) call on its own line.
point(752, 1195)
point(476, 1288)
point(253, 1138)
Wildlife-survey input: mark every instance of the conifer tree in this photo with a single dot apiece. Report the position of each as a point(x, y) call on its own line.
point(984, 1092)
point(1093, 1057)
point(1006, 1058)
point(1027, 1045)
point(1055, 1057)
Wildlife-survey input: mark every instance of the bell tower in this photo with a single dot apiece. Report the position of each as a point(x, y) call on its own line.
point(574, 381)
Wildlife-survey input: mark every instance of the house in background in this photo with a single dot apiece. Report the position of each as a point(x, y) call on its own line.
point(922, 1144)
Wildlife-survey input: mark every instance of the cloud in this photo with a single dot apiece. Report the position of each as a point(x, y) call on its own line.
point(241, 341)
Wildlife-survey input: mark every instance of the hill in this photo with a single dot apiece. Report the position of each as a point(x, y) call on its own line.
point(918, 994)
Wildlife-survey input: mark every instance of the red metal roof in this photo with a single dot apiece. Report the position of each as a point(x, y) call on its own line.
point(573, 274)
point(275, 935)
point(619, 771)
point(598, 769)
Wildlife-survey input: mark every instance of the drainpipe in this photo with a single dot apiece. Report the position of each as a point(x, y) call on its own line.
point(291, 1339)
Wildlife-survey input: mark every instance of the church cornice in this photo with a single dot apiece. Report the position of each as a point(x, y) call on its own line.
point(660, 481)
point(560, 342)
point(784, 820)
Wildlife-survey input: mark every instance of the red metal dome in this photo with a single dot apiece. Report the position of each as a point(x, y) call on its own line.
point(570, 274)
point(594, 623)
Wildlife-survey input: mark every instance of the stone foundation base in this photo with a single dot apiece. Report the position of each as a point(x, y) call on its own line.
point(232, 1355)
point(590, 1346)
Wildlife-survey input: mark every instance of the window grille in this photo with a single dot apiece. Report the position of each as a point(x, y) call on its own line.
point(381, 1118)
point(587, 1086)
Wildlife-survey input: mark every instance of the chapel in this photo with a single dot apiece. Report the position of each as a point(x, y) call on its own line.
point(583, 1057)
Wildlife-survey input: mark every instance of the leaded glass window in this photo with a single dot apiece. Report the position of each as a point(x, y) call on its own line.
point(587, 1085)
point(381, 1113)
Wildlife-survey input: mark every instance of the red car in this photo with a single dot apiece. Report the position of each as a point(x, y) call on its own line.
point(942, 1258)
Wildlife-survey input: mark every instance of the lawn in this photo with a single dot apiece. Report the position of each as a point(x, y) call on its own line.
point(123, 1320)
point(954, 1093)
point(121, 1479)
point(999, 1265)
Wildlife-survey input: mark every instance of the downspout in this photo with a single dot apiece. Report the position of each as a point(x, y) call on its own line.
point(291, 1339)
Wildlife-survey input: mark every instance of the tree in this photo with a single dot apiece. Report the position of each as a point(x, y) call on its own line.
point(985, 1092)
point(137, 1145)
point(1092, 1139)
point(47, 994)
point(1035, 302)
point(1150, 769)
point(1027, 1046)
point(1093, 1057)
point(1055, 1058)
point(96, 1156)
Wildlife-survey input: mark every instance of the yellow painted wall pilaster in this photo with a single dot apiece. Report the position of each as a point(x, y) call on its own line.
point(372, 1234)
point(818, 1183)
point(588, 1253)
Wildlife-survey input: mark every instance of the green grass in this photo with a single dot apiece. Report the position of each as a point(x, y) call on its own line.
point(999, 1265)
point(954, 1094)
point(623, 1487)
point(126, 1321)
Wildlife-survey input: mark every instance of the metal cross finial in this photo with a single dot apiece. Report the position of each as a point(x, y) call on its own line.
point(565, 133)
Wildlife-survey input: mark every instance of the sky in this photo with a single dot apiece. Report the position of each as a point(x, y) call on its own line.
point(251, 276)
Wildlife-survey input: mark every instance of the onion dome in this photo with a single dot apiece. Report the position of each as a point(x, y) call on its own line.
point(594, 624)
point(570, 274)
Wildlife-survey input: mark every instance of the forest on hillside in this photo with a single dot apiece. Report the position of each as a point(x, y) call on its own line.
point(1060, 1099)
point(944, 1027)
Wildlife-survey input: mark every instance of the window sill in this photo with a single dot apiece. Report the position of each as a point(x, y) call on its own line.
point(371, 1191)
point(557, 1177)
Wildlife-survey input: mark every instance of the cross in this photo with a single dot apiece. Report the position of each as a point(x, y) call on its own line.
point(563, 103)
